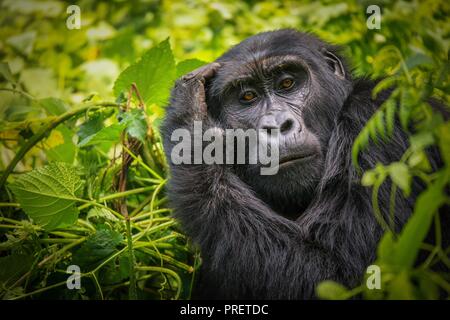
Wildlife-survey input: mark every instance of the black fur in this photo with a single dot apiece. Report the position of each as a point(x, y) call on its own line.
point(249, 248)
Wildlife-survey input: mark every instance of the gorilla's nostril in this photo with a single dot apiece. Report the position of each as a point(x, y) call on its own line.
point(286, 126)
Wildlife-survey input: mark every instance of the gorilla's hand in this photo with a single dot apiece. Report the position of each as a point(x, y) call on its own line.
point(189, 92)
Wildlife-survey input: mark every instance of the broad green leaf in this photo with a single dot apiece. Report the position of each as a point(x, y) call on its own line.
point(331, 290)
point(187, 66)
point(14, 266)
point(90, 127)
point(98, 247)
point(66, 150)
point(48, 194)
point(153, 74)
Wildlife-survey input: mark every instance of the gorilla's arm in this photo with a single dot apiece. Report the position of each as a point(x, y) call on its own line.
point(248, 250)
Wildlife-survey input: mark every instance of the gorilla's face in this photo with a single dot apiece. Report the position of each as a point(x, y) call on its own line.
point(297, 88)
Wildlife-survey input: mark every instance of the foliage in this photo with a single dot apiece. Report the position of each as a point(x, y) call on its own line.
point(80, 145)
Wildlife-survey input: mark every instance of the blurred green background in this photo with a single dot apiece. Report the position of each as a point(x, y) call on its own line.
point(47, 69)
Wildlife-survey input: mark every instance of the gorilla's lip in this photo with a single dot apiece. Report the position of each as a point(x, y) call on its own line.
point(294, 158)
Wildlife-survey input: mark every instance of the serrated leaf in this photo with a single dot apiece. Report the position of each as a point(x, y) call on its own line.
point(153, 74)
point(48, 194)
point(187, 66)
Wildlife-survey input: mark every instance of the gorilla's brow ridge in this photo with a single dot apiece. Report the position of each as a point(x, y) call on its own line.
point(270, 65)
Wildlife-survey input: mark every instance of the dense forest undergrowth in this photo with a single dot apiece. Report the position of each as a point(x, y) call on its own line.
point(82, 170)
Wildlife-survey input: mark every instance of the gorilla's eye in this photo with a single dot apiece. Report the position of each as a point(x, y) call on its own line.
point(286, 83)
point(248, 96)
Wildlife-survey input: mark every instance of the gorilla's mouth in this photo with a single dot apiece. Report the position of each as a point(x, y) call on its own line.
point(295, 159)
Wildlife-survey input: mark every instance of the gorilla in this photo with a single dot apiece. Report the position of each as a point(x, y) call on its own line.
point(278, 236)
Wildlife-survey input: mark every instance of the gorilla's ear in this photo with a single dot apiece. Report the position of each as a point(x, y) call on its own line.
point(335, 63)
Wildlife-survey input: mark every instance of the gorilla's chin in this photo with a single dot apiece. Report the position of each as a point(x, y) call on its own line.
point(290, 191)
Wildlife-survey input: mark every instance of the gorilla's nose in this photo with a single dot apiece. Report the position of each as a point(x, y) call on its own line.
point(284, 121)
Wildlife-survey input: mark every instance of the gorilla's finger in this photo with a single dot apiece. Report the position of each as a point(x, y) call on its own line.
point(203, 73)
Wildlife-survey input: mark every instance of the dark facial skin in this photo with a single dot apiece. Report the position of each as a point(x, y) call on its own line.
point(262, 89)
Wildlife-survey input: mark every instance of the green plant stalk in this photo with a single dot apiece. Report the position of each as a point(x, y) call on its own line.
point(167, 271)
point(133, 289)
point(44, 132)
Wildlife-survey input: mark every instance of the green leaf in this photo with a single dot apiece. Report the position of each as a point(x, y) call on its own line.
point(444, 142)
point(386, 248)
point(419, 160)
point(48, 194)
point(96, 248)
point(331, 290)
point(383, 85)
point(418, 59)
point(154, 75)
point(400, 288)
point(6, 73)
point(101, 213)
point(421, 140)
point(107, 134)
point(399, 173)
point(53, 106)
point(369, 178)
point(89, 128)
point(187, 66)
point(14, 266)
point(23, 42)
point(64, 152)
point(414, 232)
point(136, 124)
point(391, 108)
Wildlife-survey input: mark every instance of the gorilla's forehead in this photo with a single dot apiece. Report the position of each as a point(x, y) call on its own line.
point(263, 53)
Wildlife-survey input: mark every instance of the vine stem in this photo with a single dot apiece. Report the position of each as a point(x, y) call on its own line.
point(44, 132)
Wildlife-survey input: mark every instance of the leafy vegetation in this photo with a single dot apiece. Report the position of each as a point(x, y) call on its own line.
point(82, 171)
